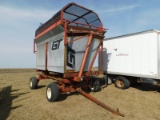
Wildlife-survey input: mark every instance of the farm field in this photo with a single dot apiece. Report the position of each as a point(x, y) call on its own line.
point(19, 102)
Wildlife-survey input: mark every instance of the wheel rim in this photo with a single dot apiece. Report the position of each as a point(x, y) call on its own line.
point(30, 83)
point(120, 83)
point(49, 93)
point(92, 88)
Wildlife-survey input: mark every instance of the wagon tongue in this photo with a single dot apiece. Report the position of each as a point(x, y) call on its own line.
point(116, 112)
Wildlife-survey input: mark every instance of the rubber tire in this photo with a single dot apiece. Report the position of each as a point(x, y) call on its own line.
point(33, 82)
point(95, 86)
point(54, 95)
point(126, 82)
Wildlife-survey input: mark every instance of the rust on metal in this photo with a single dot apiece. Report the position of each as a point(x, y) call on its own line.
point(72, 80)
point(84, 59)
point(76, 39)
point(95, 55)
point(116, 112)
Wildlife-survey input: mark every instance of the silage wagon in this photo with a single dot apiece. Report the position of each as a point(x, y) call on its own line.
point(66, 47)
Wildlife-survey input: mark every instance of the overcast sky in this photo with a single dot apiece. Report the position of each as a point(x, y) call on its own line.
point(20, 18)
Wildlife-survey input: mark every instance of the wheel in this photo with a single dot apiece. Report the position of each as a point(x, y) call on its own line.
point(52, 92)
point(33, 82)
point(95, 85)
point(122, 83)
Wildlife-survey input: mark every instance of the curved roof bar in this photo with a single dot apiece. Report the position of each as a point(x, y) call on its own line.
point(76, 15)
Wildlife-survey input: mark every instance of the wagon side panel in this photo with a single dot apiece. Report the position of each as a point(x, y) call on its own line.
point(56, 54)
point(40, 56)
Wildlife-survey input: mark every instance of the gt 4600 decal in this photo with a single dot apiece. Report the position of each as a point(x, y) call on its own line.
point(70, 57)
point(56, 44)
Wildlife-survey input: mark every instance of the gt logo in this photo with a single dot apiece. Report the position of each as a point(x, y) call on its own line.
point(56, 44)
point(70, 57)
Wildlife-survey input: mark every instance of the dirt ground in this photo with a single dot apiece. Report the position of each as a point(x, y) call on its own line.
point(19, 102)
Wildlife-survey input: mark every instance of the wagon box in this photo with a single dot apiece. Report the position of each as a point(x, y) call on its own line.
point(61, 42)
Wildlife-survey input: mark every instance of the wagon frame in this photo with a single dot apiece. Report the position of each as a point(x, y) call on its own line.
point(84, 24)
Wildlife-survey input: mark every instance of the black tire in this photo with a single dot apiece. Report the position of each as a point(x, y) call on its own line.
point(52, 92)
point(33, 82)
point(122, 82)
point(95, 85)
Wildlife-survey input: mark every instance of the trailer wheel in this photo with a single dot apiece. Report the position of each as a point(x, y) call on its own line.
point(52, 92)
point(122, 82)
point(95, 85)
point(33, 82)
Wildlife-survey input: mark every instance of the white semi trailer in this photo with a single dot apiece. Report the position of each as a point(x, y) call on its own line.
point(133, 57)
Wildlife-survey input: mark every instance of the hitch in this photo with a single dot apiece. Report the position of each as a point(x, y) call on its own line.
point(116, 112)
